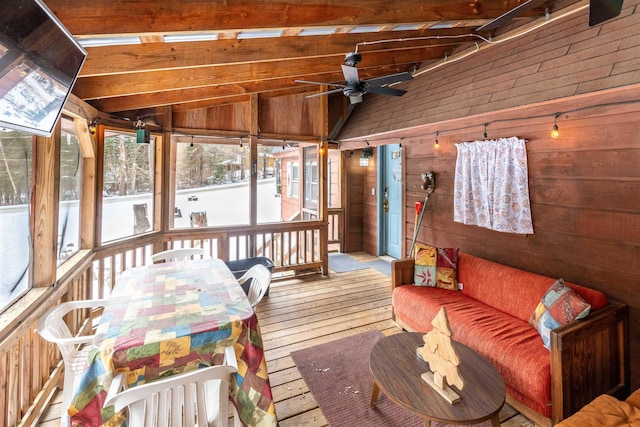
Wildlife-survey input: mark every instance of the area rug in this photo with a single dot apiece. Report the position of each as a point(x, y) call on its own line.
point(381, 265)
point(337, 374)
point(341, 263)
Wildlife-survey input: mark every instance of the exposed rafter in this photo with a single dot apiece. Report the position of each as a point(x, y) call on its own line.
point(126, 79)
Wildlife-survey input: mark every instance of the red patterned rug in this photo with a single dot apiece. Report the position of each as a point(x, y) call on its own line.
point(337, 373)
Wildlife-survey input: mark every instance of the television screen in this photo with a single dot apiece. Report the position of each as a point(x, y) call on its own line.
point(39, 63)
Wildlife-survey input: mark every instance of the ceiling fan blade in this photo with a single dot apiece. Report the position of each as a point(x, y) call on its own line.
point(392, 78)
point(324, 93)
point(318, 83)
point(386, 91)
point(350, 73)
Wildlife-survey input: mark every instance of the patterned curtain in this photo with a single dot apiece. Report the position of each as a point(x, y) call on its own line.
point(492, 187)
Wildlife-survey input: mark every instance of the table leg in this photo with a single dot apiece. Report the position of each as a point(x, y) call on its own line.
point(495, 421)
point(427, 423)
point(374, 394)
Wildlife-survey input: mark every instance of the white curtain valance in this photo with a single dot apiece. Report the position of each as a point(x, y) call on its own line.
point(492, 186)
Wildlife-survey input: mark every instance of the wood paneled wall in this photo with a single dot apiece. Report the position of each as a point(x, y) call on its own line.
point(584, 186)
point(354, 187)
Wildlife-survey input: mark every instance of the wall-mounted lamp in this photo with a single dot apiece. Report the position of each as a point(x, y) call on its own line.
point(554, 132)
point(484, 134)
point(93, 125)
point(367, 153)
point(143, 136)
point(436, 145)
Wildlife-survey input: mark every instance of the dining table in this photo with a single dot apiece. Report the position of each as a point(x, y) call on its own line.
point(163, 319)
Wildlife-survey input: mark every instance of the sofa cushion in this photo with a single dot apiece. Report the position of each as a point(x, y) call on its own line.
point(514, 291)
point(604, 411)
point(512, 346)
point(436, 267)
point(558, 306)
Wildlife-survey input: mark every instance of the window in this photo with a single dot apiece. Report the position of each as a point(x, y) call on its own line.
point(269, 207)
point(15, 194)
point(311, 178)
point(128, 183)
point(211, 183)
point(70, 186)
point(292, 179)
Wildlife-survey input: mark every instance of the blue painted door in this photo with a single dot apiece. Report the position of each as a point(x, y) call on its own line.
point(392, 193)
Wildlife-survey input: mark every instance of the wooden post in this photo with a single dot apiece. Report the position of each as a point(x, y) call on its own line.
point(45, 207)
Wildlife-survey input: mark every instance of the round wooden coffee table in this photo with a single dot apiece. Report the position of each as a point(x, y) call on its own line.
point(396, 370)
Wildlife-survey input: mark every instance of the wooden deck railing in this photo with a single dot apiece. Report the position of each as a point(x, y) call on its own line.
point(31, 368)
point(336, 226)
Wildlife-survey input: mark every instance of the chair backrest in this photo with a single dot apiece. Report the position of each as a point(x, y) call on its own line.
point(53, 328)
point(199, 397)
point(182, 254)
point(74, 349)
point(260, 279)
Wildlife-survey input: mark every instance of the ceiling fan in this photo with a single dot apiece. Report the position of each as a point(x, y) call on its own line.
point(354, 88)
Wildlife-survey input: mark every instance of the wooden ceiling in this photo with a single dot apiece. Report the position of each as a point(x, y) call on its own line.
point(137, 79)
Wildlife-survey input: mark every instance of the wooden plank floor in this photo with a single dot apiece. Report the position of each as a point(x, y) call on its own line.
point(305, 311)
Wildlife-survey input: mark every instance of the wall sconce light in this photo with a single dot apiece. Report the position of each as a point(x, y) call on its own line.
point(367, 153)
point(437, 144)
point(484, 134)
point(554, 132)
point(93, 125)
point(143, 136)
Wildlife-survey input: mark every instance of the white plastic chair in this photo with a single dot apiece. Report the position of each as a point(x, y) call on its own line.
point(260, 277)
point(195, 398)
point(182, 254)
point(74, 349)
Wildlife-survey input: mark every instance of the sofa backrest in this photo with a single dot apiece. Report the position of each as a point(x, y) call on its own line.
point(511, 290)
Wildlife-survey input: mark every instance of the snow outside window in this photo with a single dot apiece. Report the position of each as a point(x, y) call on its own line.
point(70, 186)
point(16, 179)
point(128, 183)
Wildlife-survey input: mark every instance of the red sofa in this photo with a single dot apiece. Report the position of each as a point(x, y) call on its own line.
point(491, 314)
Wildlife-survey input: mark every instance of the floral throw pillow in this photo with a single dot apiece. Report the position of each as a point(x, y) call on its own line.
point(436, 267)
point(559, 306)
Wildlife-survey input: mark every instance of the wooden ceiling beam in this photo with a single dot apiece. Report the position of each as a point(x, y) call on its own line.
point(153, 56)
point(98, 87)
point(100, 17)
point(211, 94)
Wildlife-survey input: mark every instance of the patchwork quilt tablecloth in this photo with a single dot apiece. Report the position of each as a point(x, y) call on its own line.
point(162, 319)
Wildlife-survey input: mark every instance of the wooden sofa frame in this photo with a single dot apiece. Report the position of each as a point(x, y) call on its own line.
point(589, 357)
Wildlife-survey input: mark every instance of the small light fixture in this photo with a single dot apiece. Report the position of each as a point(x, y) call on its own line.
point(484, 134)
point(437, 144)
point(554, 132)
point(93, 126)
point(240, 142)
point(191, 141)
point(367, 153)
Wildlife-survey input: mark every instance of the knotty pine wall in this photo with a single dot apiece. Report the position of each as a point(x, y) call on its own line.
point(584, 186)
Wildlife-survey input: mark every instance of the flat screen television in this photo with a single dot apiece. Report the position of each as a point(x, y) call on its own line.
point(39, 63)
